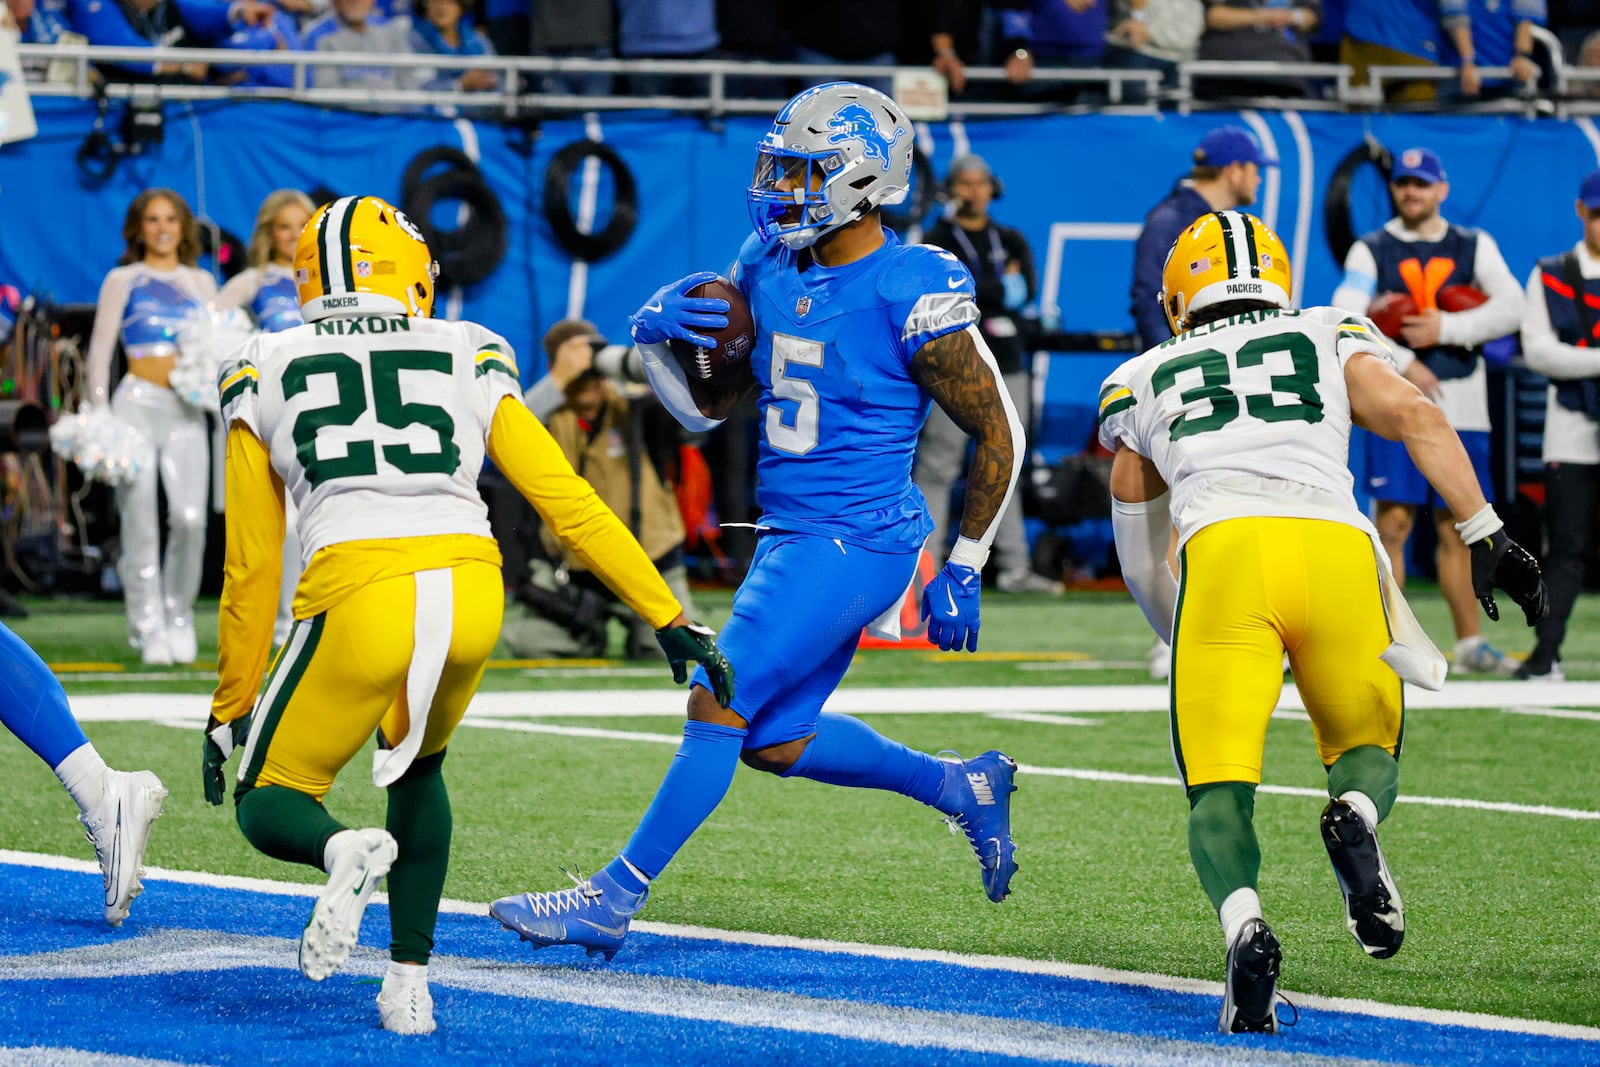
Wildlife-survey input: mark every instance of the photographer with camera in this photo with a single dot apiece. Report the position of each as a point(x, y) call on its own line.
point(618, 438)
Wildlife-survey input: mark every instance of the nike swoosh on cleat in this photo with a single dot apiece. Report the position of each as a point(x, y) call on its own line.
point(954, 611)
point(619, 930)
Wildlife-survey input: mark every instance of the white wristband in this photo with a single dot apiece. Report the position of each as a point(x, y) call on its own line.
point(1481, 525)
point(969, 553)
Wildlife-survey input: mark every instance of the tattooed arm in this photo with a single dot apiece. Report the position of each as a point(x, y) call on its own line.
point(958, 370)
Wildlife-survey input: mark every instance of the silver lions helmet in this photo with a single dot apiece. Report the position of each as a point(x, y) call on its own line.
point(838, 151)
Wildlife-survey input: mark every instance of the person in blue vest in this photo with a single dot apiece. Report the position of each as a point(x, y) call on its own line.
point(1419, 253)
point(856, 336)
point(1561, 340)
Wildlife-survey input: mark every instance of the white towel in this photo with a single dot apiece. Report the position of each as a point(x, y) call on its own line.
point(435, 625)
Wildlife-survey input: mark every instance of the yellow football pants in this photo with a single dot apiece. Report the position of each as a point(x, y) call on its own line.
point(342, 674)
point(1252, 589)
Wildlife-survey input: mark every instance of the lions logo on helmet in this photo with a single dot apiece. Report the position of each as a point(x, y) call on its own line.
point(1223, 257)
point(360, 254)
point(833, 155)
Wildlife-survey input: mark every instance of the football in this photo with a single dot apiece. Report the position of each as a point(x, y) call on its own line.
point(729, 362)
point(1460, 298)
point(1388, 309)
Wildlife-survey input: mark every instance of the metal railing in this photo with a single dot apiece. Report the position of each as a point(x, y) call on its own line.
point(1114, 89)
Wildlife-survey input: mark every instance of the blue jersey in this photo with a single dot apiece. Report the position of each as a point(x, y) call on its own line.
point(276, 306)
point(840, 412)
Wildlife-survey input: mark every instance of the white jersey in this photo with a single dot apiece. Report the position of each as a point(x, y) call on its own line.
point(376, 423)
point(1248, 415)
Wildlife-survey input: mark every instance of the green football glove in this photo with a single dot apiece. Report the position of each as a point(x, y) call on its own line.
point(698, 643)
point(221, 739)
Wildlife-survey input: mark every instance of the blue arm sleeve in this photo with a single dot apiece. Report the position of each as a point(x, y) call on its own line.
point(206, 19)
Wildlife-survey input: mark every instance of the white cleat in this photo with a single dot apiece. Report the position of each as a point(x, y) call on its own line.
point(155, 651)
point(1160, 661)
point(406, 1007)
point(119, 829)
point(360, 858)
point(182, 643)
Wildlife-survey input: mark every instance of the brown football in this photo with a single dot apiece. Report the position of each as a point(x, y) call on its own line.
point(1388, 309)
point(729, 362)
point(1460, 298)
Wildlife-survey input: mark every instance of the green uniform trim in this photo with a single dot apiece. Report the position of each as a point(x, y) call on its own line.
point(1172, 680)
point(292, 670)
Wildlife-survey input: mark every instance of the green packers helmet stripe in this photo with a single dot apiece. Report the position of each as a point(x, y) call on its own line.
point(346, 263)
point(322, 249)
point(286, 675)
point(1250, 249)
point(334, 262)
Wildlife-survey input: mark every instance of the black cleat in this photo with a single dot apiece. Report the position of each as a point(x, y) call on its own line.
point(1249, 1002)
point(1374, 913)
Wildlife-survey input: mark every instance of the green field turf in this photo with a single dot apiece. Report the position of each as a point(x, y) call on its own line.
point(1503, 910)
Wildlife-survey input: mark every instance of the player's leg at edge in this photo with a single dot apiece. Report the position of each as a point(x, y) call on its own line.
point(974, 795)
point(117, 808)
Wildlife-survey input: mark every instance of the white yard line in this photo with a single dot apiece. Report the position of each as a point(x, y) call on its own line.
point(1012, 964)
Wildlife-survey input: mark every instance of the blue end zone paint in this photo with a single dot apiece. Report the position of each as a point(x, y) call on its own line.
point(260, 1014)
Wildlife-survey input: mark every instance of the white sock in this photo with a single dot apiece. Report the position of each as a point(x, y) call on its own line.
point(401, 973)
point(1362, 803)
point(83, 773)
point(1240, 907)
point(636, 872)
point(330, 848)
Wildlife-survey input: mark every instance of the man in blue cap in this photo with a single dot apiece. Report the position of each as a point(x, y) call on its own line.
point(1561, 340)
point(1226, 174)
point(1418, 253)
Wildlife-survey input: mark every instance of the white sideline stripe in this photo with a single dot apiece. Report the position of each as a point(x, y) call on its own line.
point(870, 700)
point(1048, 720)
point(1555, 713)
point(40, 1056)
point(181, 951)
point(1505, 807)
point(1013, 964)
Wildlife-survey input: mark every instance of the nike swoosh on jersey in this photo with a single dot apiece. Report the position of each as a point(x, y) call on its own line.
point(951, 596)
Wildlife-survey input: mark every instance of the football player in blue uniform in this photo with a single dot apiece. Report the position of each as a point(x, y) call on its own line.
point(857, 335)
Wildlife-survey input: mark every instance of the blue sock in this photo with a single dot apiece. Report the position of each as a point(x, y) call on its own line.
point(846, 751)
point(33, 705)
point(695, 784)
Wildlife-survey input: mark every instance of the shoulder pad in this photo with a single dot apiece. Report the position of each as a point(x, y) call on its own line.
point(917, 270)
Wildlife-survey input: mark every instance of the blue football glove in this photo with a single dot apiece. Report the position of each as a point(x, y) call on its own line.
point(950, 604)
point(670, 314)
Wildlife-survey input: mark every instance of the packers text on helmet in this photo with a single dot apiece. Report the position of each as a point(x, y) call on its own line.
point(1223, 257)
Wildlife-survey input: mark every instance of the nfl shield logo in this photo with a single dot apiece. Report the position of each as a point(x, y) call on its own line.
point(802, 306)
point(363, 269)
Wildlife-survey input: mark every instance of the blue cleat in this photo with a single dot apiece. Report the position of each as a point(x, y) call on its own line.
point(593, 914)
point(982, 810)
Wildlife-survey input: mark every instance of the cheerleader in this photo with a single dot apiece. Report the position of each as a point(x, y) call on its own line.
point(267, 289)
point(144, 302)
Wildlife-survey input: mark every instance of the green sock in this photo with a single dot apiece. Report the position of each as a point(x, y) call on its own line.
point(1222, 839)
point(1370, 770)
point(285, 823)
point(419, 819)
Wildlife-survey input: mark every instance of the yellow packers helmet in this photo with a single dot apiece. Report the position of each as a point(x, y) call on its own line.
point(1222, 257)
point(362, 254)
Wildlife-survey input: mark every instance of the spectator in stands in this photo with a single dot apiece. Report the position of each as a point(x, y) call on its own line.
point(575, 31)
point(446, 31)
point(35, 23)
point(1588, 57)
point(1156, 34)
point(1002, 268)
point(667, 29)
point(1559, 340)
point(754, 31)
point(358, 28)
point(278, 34)
point(1498, 33)
point(160, 24)
point(145, 302)
point(621, 444)
point(1052, 33)
point(1226, 174)
point(509, 23)
point(1393, 33)
point(1440, 353)
point(1276, 31)
point(879, 34)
